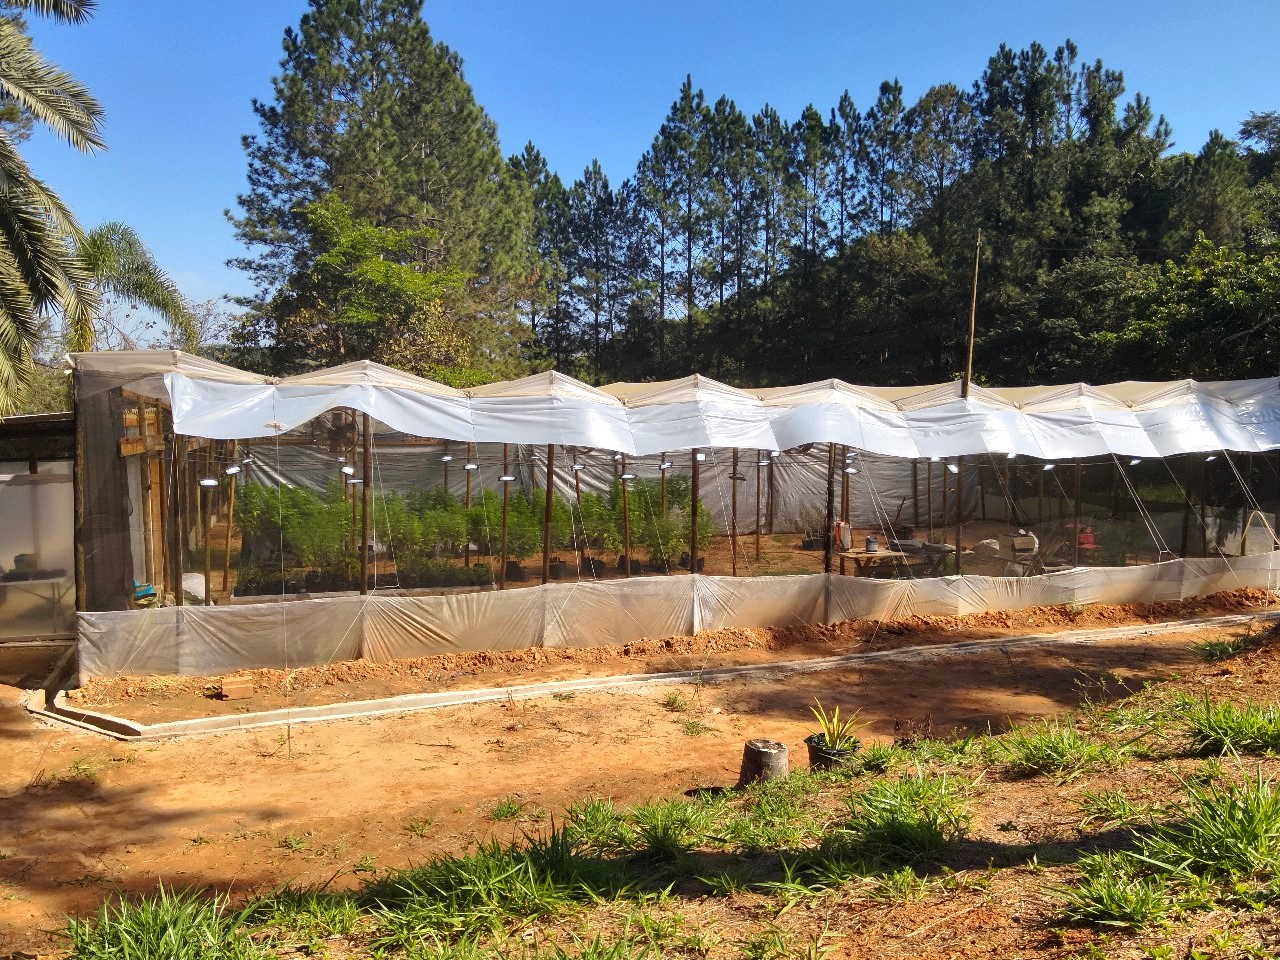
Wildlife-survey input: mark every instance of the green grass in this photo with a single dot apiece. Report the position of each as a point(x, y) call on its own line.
point(508, 808)
point(596, 825)
point(1106, 807)
point(1214, 650)
point(175, 926)
point(1049, 747)
point(495, 886)
point(1221, 844)
point(301, 918)
point(419, 826)
point(668, 829)
point(695, 728)
point(1227, 728)
point(675, 702)
point(900, 820)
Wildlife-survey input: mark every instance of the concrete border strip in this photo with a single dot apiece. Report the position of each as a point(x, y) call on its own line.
point(120, 728)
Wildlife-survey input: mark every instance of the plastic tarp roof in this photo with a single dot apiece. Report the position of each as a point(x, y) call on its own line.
point(1133, 419)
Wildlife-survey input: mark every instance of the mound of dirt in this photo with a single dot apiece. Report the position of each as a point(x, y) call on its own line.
point(813, 640)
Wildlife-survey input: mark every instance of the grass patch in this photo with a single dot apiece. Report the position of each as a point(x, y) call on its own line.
point(176, 926)
point(302, 918)
point(1212, 651)
point(1049, 746)
point(675, 702)
point(1106, 807)
point(419, 826)
point(1221, 845)
point(668, 829)
point(1228, 728)
point(495, 887)
point(508, 808)
point(597, 826)
point(695, 728)
point(901, 820)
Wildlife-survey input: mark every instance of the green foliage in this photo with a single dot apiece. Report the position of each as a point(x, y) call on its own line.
point(899, 820)
point(597, 826)
point(1215, 650)
point(1049, 746)
point(1224, 727)
point(667, 829)
point(1117, 892)
point(177, 926)
point(836, 734)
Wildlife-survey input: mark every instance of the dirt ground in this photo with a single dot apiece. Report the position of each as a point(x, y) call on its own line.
point(86, 818)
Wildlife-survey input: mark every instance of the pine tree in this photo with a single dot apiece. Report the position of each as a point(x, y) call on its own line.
point(369, 108)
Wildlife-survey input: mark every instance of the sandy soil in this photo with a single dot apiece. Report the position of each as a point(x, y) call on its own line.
point(86, 818)
point(159, 698)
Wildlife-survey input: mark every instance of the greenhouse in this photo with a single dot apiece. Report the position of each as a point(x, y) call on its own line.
point(226, 520)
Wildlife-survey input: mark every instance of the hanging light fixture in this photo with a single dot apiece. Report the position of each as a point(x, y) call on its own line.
point(1134, 462)
point(627, 476)
point(349, 470)
point(665, 465)
point(506, 478)
point(1212, 457)
point(471, 466)
point(446, 458)
point(953, 468)
point(352, 481)
point(1048, 467)
point(617, 456)
point(208, 481)
point(700, 457)
point(851, 470)
point(763, 463)
point(577, 467)
point(935, 459)
point(232, 470)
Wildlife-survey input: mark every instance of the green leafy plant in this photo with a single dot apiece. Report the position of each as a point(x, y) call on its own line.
point(1227, 728)
point(508, 808)
point(834, 733)
point(176, 926)
point(1049, 746)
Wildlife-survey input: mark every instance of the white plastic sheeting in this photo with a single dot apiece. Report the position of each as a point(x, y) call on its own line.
point(211, 640)
point(1057, 422)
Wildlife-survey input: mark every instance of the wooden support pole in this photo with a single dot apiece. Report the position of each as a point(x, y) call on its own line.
point(471, 459)
point(626, 521)
point(915, 494)
point(506, 496)
point(844, 483)
point(959, 515)
point(231, 516)
point(182, 526)
point(80, 505)
point(1186, 510)
point(946, 502)
point(144, 476)
point(546, 513)
point(445, 464)
point(769, 505)
point(928, 492)
point(662, 482)
point(693, 515)
point(759, 478)
point(206, 505)
point(577, 496)
point(366, 438)
point(733, 514)
point(831, 508)
point(1075, 552)
point(1040, 497)
point(166, 473)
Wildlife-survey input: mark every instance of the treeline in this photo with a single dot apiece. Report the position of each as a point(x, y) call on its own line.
point(762, 250)
point(383, 222)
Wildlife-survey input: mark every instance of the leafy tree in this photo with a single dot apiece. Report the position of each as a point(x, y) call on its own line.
point(123, 267)
point(40, 272)
point(369, 108)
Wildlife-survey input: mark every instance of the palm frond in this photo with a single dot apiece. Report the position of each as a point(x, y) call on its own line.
point(121, 264)
point(66, 11)
point(51, 96)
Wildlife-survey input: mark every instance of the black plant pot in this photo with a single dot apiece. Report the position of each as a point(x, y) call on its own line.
point(822, 757)
point(557, 569)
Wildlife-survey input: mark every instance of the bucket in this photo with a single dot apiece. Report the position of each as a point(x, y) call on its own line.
point(822, 757)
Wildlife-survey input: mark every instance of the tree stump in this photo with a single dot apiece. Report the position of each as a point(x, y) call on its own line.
point(762, 760)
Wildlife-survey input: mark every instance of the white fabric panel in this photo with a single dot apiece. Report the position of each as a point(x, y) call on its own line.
point(210, 640)
point(700, 423)
point(760, 601)
point(397, 627)
point(572, 421)
point(618, 611)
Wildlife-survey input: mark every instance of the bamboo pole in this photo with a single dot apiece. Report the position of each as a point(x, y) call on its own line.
point(366, 437)
point(1075, 552)
point(231, 516)
point(626, 521)
point(663, 484)
point(915, 494)
point(769, 506)
point(166, 472)
point(759, 477)
point(946, 509)
point(959, 515)
point(466, 548)
point(831, 507)
point(206, 504)
point(733, 514)
point(181, 519)
point(506, 496)
point(582, 544)
point(546, 514)
point(1040, 498)
point(928, 492)
point(693, 515)
point(80, 507)
point(144, 476)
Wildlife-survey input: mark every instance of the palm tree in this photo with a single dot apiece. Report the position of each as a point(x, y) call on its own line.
point(122, 266)
point(41, 270)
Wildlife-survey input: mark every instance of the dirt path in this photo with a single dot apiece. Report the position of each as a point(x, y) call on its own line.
point(85, 818)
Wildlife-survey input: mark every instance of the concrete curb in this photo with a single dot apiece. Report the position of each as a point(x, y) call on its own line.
point(119, 728)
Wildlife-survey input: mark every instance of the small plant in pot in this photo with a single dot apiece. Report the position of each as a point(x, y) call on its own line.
point(834, 743)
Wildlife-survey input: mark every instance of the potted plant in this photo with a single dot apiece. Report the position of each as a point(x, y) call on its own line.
point(834, 743)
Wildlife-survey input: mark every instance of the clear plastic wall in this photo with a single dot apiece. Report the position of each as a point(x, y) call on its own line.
point(332, 512)
point(37, 587)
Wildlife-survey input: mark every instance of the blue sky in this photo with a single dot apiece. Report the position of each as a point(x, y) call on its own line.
point(594, 79)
